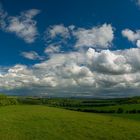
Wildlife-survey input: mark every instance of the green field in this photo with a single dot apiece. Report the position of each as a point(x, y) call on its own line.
point(38, 122)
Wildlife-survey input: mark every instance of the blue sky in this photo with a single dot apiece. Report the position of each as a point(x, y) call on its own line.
point(80, 13)
point(82, 47)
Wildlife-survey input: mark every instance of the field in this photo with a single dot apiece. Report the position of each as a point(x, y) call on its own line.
point(39, 122)
point(34, 118)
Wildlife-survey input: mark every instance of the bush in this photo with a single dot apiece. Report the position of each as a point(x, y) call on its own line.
point(134, 111)
point(120, 110)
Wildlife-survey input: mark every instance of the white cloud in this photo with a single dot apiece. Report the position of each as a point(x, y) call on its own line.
point(30, 13)
point(88, 72)
point(132, 36)
point(57, 37)
point(97, 37)
point(58, 30)
point(32, 55)
point(138, 43)
point(3, 15)
point(24, 26)
point(16, 77)
point(52, 49)
point(108, 62)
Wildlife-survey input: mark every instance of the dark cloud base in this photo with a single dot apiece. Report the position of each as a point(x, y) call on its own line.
point(104, 93)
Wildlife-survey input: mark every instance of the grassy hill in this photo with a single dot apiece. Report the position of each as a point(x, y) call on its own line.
point(37, 122)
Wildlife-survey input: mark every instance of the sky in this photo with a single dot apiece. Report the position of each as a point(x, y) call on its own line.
point(73, 48)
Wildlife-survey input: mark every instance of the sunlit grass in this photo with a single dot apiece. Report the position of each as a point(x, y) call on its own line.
point(26, 122)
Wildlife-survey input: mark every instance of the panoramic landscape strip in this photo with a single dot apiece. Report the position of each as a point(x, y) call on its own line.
point(69, 69)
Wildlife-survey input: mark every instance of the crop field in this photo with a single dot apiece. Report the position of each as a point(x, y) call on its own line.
point(38, 122)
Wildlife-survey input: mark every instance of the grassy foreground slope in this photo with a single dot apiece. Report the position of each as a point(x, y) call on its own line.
point(36, 122)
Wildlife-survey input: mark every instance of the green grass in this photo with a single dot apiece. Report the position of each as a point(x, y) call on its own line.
point(135, 117)
point(34, 122)
point(125, 107)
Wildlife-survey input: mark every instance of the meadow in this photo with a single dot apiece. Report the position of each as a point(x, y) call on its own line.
point(34, 118)
point(38, 122)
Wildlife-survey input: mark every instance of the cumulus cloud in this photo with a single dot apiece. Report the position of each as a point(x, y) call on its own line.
point(57, 38)
point(96, 37)
point(32, 55)
point(58, 30)
point(132, 36)
point(108, 62)
point(78, 72)
point(52, 48)
point(16, 77)
point(24, 26)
